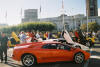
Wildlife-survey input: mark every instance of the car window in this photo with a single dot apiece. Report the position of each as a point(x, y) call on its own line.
point(50, 46)
point(67, 47)
point(64, 47)
point(46, 46)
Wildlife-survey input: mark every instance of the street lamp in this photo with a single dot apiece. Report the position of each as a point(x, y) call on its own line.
point(74, 22)
point(87, 20)
point(63, 14)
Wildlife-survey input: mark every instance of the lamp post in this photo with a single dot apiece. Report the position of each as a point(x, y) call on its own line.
point(81, 22)
point(40, 10)
point(74, 22)
point(63, 14)
point(87, 21)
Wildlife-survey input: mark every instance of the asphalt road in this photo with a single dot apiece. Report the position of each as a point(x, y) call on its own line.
point(94, 61)
point(95, 56)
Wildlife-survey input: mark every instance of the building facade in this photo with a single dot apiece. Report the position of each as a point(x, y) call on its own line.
point(70, 22)
point(30, 15)
point(92, 7)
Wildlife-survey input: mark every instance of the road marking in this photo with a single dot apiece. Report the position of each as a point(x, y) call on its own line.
point(91, 51)
point(87, 62)
point(97, 57)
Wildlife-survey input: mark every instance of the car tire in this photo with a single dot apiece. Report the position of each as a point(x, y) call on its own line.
point(79, 58)
point(28, 60)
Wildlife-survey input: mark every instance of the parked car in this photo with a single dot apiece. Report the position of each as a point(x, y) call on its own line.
point(62, 40)
point(44, 52)
point(67, 39)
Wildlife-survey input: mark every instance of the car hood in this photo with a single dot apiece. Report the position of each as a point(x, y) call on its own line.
point(67, 37)
point(70, 41)
point(18, 47)
point(82, 46)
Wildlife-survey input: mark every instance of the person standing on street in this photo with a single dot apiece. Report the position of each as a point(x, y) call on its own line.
point(98, 35)
point(3, 46)
point(22, 37)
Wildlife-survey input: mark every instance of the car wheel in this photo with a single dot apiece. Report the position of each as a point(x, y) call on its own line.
point(78, 47)
point(79, 58)
point(28, 60)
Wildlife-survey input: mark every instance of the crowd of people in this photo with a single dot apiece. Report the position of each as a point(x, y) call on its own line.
point(27, 37)
point(98, 35)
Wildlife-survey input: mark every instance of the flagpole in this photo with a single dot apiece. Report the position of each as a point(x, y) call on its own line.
point(6, 17)
point(87, 21)
point(21, 11)
point(63, 21)
point(21, 14)
point(63, 14)
point(40, 10)
point(40, 13)
point(0, 15)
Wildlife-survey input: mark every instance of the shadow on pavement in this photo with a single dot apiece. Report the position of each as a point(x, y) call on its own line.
point(13, 64)
point(59, 64)
point(56, 64)
point(94, 62)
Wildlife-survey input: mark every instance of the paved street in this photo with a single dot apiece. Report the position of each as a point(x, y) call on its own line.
point(95, 57)
point(94, 61)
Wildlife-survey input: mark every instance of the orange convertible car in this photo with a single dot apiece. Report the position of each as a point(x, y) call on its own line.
point(44, 52)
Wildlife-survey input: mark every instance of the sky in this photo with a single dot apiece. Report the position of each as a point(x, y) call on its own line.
point(10, 10)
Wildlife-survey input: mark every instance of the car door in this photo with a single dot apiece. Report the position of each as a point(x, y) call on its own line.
point(64, 53)
point(47, 53)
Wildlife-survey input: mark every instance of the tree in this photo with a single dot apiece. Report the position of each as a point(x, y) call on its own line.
point(29, 26)
point(92, 26)
point(83, 27)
